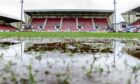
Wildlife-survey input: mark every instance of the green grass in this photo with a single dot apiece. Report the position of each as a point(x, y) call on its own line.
point(69, 34)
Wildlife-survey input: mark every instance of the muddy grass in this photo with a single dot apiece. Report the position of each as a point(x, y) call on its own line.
point(74, 47)
point(134, 52)
point(6, 44)
point(132, 48)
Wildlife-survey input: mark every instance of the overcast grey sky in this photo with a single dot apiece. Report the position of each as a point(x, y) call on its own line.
point(12, 7)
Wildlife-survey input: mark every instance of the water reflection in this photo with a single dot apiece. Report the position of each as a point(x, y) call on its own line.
point(70, 62)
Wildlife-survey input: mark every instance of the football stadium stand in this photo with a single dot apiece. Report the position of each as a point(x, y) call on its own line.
point(5, 23)
point(132, 17)
point(68, 20)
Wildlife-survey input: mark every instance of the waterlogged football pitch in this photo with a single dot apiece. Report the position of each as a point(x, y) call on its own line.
point(69, 58)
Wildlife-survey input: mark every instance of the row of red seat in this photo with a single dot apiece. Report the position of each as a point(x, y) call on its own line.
point(69, 24)
point(136, 22)
point(51, 23)
point(4, 27)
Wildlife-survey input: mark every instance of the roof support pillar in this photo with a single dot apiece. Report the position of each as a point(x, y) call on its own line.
point(61, 22)
point(45, 23)
point(77, 23)
point(93, 24)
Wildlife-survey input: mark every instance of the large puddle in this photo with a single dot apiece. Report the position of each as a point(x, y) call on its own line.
point(69, 61)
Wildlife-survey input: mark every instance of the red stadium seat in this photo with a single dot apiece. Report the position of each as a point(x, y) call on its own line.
point(101, 22)
point(36, 22)
point(136, 23)
point(4, 27)
point(86, 24)
point(52, 24)
point(69, 24)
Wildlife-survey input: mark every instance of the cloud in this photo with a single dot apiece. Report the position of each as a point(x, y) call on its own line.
point(67, 4)
point(12, 7)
